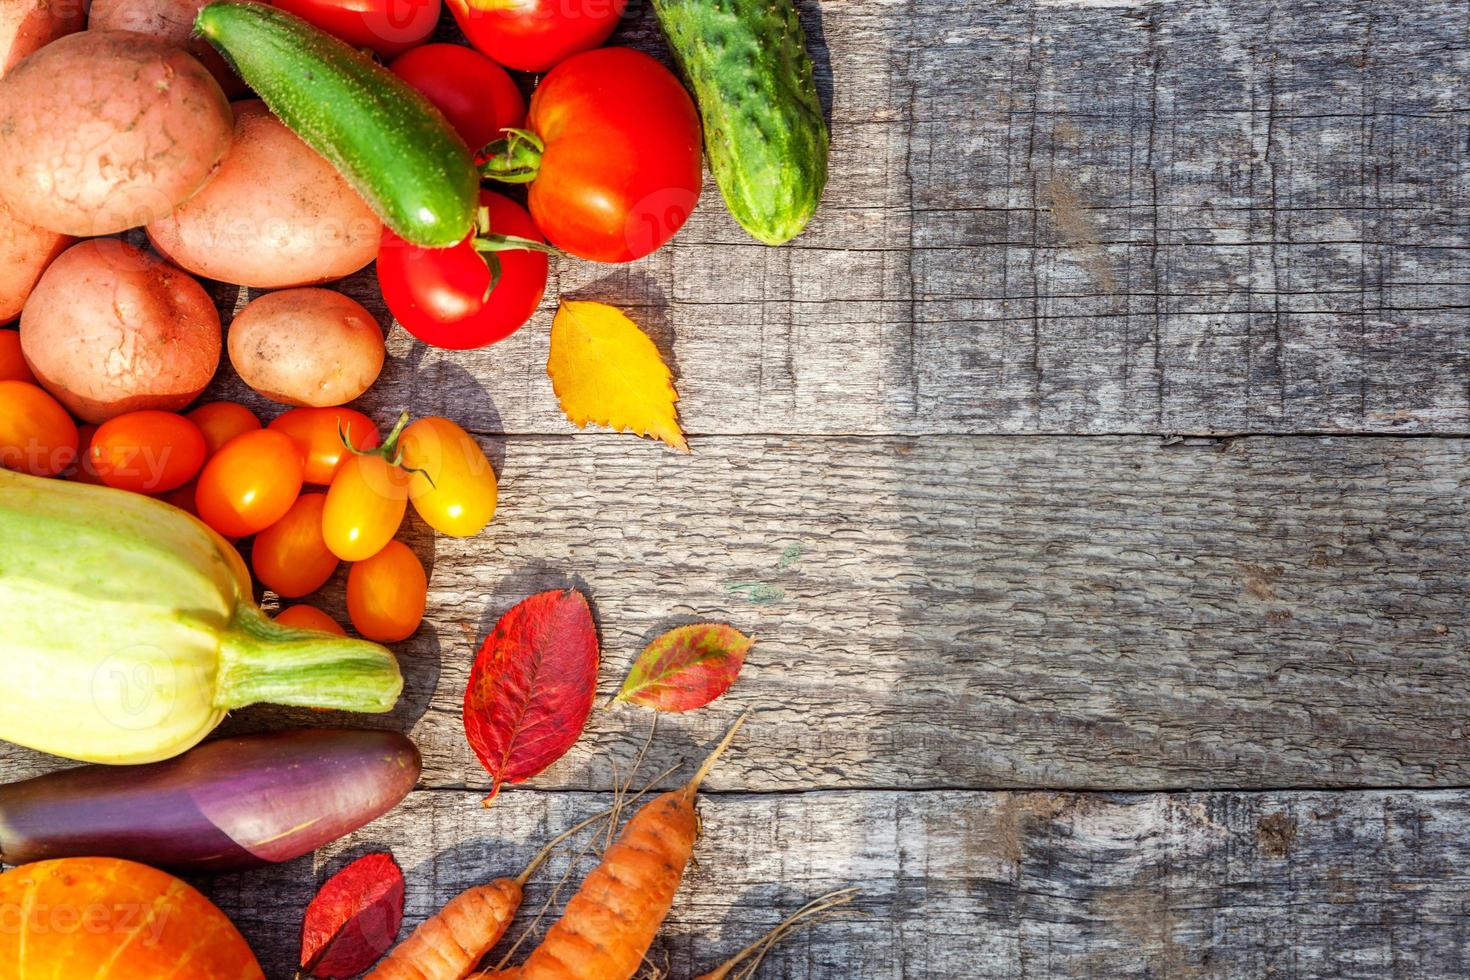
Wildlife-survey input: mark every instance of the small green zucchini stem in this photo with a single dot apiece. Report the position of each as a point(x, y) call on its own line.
point(262, 661)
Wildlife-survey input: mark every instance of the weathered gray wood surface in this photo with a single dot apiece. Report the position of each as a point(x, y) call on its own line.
point(1048, 220)
point(950, 612)
point(986, 885)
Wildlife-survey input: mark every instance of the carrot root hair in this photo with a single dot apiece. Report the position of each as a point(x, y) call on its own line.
point(809, 914)
point(555, 842)
point(692, 787)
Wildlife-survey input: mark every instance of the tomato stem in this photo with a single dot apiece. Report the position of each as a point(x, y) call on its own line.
point(514, 159)
point(389, 451)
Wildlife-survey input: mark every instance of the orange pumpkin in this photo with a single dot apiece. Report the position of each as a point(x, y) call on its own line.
point(114, 920)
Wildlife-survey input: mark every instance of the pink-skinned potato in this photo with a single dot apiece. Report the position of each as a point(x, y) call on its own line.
point(27, 26)
point(307, 347)
point(276, 214)
point(110, 329)
point(106, 130)
point(167, 20)
point(25, 252)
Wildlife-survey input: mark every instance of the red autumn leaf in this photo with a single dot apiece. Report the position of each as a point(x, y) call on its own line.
point(686, 668)
point(531, 689)
point(354, 918)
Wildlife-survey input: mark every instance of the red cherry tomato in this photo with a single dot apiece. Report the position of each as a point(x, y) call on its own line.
point(84, 471)
point(249, 484)
point(304, 617)
point(317, 432)
point(619, 170)
point(475, 94)
point(13, 366)
point(439, 294)
point(290, 557)
point(222, 421)
point(534, 35)
point(386, 594)
point(36, 434)
point(389, 27)
point(147, 452)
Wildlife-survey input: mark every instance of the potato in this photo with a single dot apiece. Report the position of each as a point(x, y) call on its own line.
point(167, 20)
point(110, 329)
point(25, 252)
point(105, 130)
point(276, 214)
point(30, 25)
point(307, 347)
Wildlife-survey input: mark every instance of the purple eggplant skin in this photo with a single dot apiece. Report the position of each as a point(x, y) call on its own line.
point(230, 804)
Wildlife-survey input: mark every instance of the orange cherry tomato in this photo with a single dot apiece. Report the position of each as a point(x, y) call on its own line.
point(183, 497)
point(290, 557)
point(454, 490)
point(84, 471)
point(304, 617)
point(249, 484)
point(318, 431)
point(222, 421)
point(365, 506)
point(386, 594)
point(36, 434)
point(13, 366)
point(147, 452)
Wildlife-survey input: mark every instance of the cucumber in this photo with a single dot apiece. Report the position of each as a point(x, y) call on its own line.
point(763, 127)
point(386, 139)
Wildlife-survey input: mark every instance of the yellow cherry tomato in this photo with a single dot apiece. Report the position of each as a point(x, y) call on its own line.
point(290, 557)
point(304, 617)
point(36, 434)
point(386, 594)
point(364, 506)
point(453, 486)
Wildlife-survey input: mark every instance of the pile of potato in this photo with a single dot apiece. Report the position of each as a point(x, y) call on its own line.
point(127, 124)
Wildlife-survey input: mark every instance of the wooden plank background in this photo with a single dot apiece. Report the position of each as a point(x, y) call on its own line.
point(1093, 475)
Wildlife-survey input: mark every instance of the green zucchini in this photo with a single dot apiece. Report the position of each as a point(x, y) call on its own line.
point(386, 139)
point(763, 125)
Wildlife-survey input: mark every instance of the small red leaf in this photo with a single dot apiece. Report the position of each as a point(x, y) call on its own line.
point(531, 689)
point(686, 668)
point(354, 918)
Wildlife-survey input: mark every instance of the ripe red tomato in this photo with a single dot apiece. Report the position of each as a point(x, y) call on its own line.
point(249, 484)
point(535, 35)
point(475, 94)
point(147, 452)
point(438, 294)
point(389, 27)
point(620, 168)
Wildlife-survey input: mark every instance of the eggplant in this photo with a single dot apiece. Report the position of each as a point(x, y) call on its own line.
point(229, 804)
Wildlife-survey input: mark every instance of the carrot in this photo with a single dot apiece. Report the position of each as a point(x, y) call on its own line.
point(803, 916)
point(611, 921)
point(449, 945)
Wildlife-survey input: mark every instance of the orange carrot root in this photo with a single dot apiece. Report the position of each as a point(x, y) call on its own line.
point(807, 915)
point(611, 921)
point(450, 944)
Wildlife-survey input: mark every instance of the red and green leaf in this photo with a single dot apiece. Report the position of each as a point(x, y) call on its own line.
point(532, 686)
point(687, 668)
point(354, 918)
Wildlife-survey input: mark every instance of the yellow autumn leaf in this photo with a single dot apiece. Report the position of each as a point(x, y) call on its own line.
point(605, 371)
